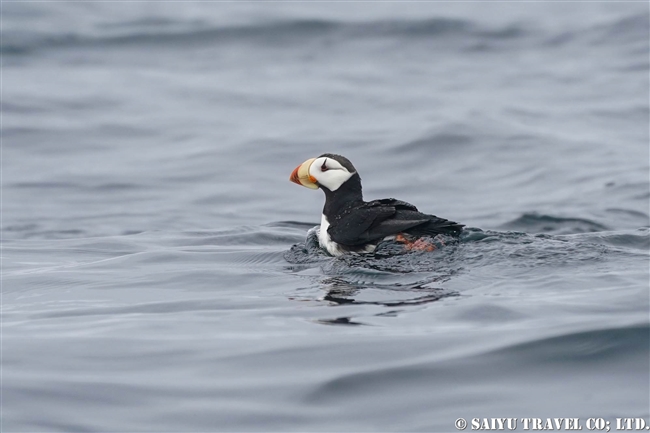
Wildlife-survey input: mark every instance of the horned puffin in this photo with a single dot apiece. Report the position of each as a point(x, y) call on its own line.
point(351, 225)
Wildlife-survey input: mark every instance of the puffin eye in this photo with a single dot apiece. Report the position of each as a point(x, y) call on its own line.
point(324, 167)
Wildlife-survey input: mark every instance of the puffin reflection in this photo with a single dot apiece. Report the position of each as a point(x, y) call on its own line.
point(340, 292)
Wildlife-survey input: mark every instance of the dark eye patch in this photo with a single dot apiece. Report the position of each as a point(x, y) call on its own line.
point(324, 167)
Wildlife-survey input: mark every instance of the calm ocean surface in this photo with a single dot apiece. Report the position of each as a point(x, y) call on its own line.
point(150, 280)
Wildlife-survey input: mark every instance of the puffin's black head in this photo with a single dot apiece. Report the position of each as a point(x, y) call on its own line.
point(328, 171)
point(341, 160)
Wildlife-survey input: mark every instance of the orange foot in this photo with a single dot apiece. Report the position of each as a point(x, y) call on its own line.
point(417, 245)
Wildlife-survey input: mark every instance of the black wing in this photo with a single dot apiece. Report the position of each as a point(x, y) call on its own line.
point(374, 221)
point(397, 204)
point(377, 219)
point(435, 225)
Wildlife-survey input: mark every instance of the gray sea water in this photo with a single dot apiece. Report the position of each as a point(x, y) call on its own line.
point(156, 271)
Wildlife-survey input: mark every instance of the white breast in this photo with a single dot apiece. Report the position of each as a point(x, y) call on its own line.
point(325, 240)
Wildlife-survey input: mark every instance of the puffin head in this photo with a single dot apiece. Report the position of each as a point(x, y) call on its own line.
point(328, 171)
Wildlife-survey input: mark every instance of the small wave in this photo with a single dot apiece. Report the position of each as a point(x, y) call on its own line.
point(639, 239)
point(538, 223)
point(448, 140)
point(148, 308)
point(291, 224)
point(580, 347)
point(101, 187)
point(627, 29)
point(569, 355)
point(631, 214)
point(630, 29)
point(269, 235)
point(270, 33)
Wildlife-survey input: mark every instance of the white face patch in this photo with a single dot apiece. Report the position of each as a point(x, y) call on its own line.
point(329, 173)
